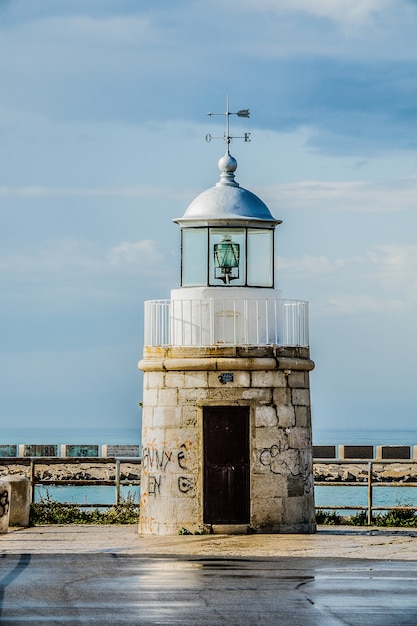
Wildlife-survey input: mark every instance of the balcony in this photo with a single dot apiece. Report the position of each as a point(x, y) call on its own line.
point(223, 322)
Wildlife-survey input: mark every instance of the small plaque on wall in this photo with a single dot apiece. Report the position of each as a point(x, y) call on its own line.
point(226, 377)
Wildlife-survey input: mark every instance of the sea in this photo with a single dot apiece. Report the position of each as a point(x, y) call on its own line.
point(324, 496)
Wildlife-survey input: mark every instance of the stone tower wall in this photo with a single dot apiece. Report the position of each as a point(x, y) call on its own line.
point(274, 383)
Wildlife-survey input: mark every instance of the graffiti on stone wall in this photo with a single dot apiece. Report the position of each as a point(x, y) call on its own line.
point(182, 457)
point(4, 502)
point(154, 485)
point(156, 459)
point(166, 460)
point(269, 457)
point(186, 484)
point(281, 459)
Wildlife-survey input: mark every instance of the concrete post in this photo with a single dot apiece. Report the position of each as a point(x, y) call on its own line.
point(19, 499)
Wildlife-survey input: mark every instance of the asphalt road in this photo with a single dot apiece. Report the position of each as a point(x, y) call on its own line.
point(116, 589)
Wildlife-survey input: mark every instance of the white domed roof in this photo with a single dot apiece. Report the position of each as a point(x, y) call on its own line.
point(227, 202)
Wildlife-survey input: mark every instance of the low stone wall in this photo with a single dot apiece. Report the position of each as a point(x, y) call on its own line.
point(328, 472)
point(402, 472)
point(369, 452)
point(69, 450)
point(45, 470)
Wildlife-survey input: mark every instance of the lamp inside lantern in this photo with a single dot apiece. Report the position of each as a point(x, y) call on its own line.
point(226, 260)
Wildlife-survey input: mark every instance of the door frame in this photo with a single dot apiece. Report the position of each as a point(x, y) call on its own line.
point(250, 404)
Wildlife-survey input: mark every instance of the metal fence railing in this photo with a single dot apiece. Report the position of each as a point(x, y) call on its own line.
point(42, 471)
point(226, 322)
point(370, 478)
point(102, 472)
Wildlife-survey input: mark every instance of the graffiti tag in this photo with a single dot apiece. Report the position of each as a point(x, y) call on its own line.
point(185, 484)
point(154, 485)
point(157, 459)
point(4, 503)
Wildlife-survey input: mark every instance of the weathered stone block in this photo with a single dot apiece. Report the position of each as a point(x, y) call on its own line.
point(263, 396)
point(169, 416)
point(300, 438)
point(303, 416)
point(265, 416)
point(298, 380)
point(185, 397)
point(195, 379)
point(176, 437)
point(298, 510)
point(189, 415)
point(268, 513)
point(150, 399)
point(301, 397)
point(153, 380)
point(282, 395)
point(286, 415)
point(265, 438)
point(175, 379)
point(167, 397)
point(295, 486)
point(267, 485)
point(269, 379)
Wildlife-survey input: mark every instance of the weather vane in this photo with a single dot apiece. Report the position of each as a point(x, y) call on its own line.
point(227, 136)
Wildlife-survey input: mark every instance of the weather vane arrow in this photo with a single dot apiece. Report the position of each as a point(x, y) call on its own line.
point(227, 136)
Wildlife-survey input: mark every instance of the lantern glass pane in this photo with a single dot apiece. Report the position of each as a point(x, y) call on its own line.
point(260, 257)
point(194, 257)
point(227, 256)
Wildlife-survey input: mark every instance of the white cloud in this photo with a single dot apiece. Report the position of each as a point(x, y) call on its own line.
point(381, 280)
point(396, 267)
point(140, 253)
point(359, 304)
point(353, 11)
point(68, 257)
point(130, 191)
point(307, 265)
point(385, 196)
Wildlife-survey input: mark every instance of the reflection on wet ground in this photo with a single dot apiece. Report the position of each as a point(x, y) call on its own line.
point(113, 589)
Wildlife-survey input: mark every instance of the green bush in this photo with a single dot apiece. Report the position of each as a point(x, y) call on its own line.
point(401, 517)
point(48, 511)
point(397, 517)
point(359, 519)
point(329, 518)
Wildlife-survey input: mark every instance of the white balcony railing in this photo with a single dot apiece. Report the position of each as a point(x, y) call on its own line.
point(215, 322)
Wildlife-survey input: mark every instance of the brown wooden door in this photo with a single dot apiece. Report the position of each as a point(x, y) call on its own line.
point(226, 465)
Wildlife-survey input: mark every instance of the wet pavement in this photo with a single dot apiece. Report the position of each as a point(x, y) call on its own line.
point(110, 575)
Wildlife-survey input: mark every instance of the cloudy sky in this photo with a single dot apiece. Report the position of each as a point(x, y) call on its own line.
point(102, 125)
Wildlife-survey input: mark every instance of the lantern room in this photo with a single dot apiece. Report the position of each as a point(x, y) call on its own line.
point(227, 236)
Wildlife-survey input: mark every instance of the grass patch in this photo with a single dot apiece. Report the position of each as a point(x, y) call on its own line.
point(48, 511)
point(398, 517)
point(329, 518)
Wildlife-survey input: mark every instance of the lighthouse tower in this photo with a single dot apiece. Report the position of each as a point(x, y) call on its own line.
point(226, 435)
